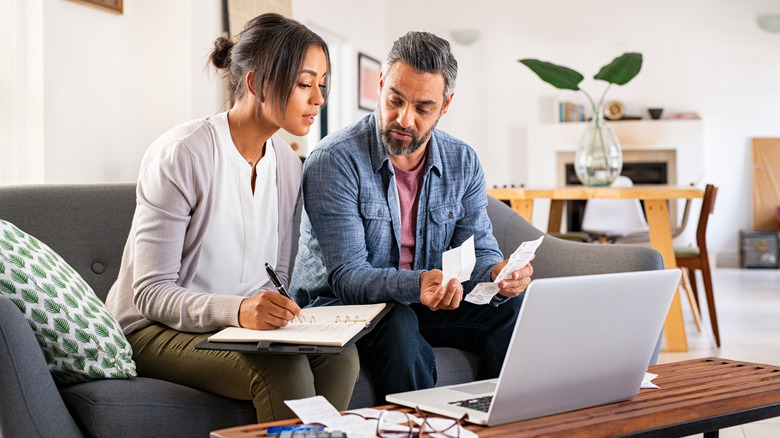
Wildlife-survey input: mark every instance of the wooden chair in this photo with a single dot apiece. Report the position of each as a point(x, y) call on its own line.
point(690, 259)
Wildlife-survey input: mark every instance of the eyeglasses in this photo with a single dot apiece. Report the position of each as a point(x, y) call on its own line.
point(400, 424)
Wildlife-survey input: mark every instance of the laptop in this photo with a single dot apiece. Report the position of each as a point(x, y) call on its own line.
point(578, 342)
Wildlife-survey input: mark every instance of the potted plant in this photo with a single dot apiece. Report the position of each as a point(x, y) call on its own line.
point(599, 159)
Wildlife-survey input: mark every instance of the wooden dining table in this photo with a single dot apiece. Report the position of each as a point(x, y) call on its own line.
point(655, 199)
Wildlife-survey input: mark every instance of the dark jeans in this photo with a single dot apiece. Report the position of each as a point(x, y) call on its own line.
point(399, 350)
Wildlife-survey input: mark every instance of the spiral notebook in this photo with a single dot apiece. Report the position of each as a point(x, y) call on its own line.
point(327, 329)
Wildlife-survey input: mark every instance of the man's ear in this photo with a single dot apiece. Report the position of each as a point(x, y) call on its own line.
point(447, 103)
point(381, 83)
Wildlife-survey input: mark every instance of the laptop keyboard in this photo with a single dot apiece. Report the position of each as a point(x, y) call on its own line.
point(478, 403)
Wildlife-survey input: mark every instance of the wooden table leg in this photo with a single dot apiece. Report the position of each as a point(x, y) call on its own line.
point(524, 207)
point(661, 240)
point(556, 213)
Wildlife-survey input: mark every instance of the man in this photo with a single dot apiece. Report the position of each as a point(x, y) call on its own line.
point(383, 199)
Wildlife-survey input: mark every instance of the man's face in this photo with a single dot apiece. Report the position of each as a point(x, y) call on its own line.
point(410, 105)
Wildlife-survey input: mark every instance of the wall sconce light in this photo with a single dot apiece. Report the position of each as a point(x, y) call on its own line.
point(465, 37)
point(770, 23)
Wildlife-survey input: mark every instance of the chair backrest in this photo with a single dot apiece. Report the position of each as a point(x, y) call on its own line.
point(614, 217)
point(707, 208)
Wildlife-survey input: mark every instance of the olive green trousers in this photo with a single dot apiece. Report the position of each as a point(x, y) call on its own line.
point(267, 380)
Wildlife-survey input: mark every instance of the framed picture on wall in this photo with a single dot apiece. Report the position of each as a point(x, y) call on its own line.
point(368, 82)
point(114, 5)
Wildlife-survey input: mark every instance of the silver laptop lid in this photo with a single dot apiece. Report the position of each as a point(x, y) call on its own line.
point(582, 341)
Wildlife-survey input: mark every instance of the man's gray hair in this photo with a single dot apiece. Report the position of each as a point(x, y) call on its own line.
point(425, 53)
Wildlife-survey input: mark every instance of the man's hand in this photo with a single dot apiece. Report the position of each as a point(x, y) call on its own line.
point(436, 296)
point(267, 310)
point(517, 281)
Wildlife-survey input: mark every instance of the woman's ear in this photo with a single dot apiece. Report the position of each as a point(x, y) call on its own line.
point(250, 85)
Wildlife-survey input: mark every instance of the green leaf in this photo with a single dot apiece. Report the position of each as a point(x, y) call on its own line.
point(70, 346)
point(19, 276)
point(33, 326)
point(61, 325)
point(30, 296)
point(59, 352)
point(13, 258)
point(96, 372)
point(558, 76)
point(57, 282)
point(50, 334)
point(622, 69)
point(7, 287)
point(70, 301)
point(41, 340)
point(81, 321)
point(101, 330)
point(6, 245)
point(46, 265)
point(49, 290)
point(39, 316)
point(120, 342)
point(24, 252)
point(111, 350)
point(82, 336)
point(38, 271)
point(11, 237)
point(52, 306)
point(49, 358)
point(91, 353)
point(2, 266)
point(20, 304)
point(79, 363)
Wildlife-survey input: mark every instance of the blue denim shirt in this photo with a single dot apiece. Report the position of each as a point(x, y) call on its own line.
point(350, 243)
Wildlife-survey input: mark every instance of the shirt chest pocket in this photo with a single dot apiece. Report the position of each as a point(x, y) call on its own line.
point(378, 227)
point(442, 224)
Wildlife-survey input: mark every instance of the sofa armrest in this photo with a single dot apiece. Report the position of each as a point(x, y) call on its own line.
point(560, 258)
point(30, 404)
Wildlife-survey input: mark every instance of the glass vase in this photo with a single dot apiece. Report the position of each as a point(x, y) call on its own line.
point(599, 158)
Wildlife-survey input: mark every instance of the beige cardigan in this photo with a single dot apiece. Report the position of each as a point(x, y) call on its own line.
point(173, 209)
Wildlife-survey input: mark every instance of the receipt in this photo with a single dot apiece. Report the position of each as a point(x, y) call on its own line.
point(459, 262)
point(484, 292)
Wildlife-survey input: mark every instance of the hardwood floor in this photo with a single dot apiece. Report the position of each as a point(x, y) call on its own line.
point(747, 302)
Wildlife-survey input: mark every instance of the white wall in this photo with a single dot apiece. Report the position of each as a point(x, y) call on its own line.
point(114, 82)
point(707, 56)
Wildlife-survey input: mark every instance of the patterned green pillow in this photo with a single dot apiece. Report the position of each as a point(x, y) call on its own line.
point(80, 339)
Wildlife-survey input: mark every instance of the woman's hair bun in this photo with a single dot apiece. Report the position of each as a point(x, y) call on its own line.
point(220, 57)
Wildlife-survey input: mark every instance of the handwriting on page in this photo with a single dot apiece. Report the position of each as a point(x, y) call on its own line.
point(459, 262)
point(484, 292)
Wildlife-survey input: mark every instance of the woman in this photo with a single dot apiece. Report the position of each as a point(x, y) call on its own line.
point(215, 202)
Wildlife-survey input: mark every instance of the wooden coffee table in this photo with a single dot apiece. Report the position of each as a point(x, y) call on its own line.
point(696, 396)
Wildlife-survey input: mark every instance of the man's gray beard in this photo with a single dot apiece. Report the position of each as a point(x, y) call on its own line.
point(396, 148)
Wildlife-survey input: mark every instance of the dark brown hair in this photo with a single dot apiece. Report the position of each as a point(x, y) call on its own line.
point(275, 48)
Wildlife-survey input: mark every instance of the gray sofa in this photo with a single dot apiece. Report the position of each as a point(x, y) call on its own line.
point(88, 225)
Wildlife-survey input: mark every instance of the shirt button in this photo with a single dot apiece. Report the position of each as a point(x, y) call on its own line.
point(451, 215)
point(379, 212)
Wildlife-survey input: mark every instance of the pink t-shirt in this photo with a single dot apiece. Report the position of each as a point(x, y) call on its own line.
point(408, 184)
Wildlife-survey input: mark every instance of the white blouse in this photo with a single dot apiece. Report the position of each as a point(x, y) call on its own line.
point(243, 232)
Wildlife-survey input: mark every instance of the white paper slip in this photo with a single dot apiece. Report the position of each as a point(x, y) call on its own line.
point(459, 262)
point(484, 292)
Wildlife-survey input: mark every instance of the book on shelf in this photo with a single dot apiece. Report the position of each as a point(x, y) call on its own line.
point(326, 329)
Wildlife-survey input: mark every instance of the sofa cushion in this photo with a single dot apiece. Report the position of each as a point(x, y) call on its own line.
point(79, 338)
point(144, 407)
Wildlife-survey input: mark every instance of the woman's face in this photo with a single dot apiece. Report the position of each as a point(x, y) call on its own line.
point(306, 97)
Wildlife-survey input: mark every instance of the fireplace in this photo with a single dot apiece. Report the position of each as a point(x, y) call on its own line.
point(641, 173)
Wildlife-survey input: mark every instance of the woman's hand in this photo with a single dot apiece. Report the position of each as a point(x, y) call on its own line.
point(267, 310)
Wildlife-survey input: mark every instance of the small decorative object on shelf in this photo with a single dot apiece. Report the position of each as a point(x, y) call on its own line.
point(599, 158)
point(655, 113)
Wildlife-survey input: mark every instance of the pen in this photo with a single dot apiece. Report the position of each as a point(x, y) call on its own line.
point(275, 280)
